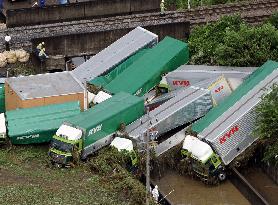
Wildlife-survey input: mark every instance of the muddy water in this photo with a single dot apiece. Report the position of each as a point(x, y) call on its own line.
point(188, 191)
point(263, 184)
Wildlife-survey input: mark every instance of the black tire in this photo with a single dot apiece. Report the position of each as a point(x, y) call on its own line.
point(222, 176)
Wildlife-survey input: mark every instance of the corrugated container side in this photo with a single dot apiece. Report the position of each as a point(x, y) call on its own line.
point(38, 125)
point(232, 132)
point(145, 73)
point(106, 117)
point(256, 77)
point(186, 107)
point(104, 80)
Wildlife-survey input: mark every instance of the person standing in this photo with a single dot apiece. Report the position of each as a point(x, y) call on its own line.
point(42, 3)
point(162, 8)
point(7, 42)
point(155, 193)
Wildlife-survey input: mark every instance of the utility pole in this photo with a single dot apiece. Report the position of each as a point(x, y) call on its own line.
point(147, 141)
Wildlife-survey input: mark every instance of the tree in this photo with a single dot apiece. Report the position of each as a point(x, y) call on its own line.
point(232, 42)
point(267, 124)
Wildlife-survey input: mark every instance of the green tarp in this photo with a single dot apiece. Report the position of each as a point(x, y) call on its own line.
point(38, 124)
point(2, 98)
point(146, 72)
point(104, 80)
point(105, 118)
point(252, 80)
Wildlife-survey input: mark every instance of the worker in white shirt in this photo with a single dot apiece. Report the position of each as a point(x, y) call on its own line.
point(7, 42)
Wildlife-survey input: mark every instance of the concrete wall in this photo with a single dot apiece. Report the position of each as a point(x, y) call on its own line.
point(77, 11)
point(92, 43)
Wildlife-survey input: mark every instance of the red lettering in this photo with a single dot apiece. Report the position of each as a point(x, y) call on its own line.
point(228, 134)
point(175, 82)
point(219, 89)
point(184, 83)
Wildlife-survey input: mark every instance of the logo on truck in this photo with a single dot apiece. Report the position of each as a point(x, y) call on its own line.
point(219, 89)
point(183, 83)
point(95, 129)
point(228, 134)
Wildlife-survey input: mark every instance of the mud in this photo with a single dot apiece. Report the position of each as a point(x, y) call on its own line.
point(188, 191)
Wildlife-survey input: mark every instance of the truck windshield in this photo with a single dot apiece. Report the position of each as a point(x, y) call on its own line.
point(62, 146)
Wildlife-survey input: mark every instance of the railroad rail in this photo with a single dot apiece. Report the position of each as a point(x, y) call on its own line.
point(258, 10)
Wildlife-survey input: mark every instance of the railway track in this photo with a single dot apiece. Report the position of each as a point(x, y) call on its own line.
point(252, 12)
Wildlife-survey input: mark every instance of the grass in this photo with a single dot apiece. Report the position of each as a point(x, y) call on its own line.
point(26, 178)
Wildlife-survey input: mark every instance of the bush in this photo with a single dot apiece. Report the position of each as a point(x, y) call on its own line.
point(232, 42)
point(267, 124)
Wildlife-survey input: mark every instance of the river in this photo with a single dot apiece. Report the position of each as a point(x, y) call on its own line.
point(189, 191)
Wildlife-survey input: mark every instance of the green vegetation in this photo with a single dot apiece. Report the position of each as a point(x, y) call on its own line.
point(267, 124)
point(25, 178)
point(232, 42)
point(183, 4)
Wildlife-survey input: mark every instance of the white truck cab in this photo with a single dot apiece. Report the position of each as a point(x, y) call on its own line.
point(3, 130)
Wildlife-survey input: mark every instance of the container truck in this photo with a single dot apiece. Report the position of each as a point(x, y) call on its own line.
point(93, 129)
point(227, 130)
point(221, 81)
point(145, 73)
point(2, 128)
point(38, 124)
point(106, 60)
point(187, 106)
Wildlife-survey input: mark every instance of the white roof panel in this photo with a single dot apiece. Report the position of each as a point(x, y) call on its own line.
point(70, 132)
point(2, 123)
point(122, 144)
point(114, 54)
point(45, 85)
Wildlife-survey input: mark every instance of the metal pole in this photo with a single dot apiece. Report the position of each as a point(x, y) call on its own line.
point(147, 140)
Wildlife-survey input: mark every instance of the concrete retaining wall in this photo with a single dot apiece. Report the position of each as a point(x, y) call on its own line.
point(77, 11)
point(92, 43)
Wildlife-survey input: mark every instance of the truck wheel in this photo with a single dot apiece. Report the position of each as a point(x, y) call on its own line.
point(222, 176)
point(57, 165)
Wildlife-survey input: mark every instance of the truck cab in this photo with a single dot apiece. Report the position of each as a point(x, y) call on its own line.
point(3, 129)
point(126, 146)
point(65, 146)
point(202, 160)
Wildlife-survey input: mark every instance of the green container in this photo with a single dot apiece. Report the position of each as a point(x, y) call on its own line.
point(2, 98)
point(145, 73)
point(247, 85)
point(38, 124)
point(104, 80)
point(107, 116)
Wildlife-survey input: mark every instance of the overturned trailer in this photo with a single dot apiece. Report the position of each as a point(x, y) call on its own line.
point(116, 53)
point(228, 129)
point(221, 81)
point(203, 75)
point(145, 73)
point(187, 106)
point(38, 124)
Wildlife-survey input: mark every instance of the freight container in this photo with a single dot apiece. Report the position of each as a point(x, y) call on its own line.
point(146, 72)
point(189, 105)
point(94, 128)
point(101, 81)
point(38, 124)
point(199, 75)
point(116, 53)
point(229, 127)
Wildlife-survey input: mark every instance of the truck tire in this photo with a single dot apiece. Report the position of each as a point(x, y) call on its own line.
point(222, 176)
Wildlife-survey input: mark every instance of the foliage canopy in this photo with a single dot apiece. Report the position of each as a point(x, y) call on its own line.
point(232, 42)
point(267, 124)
